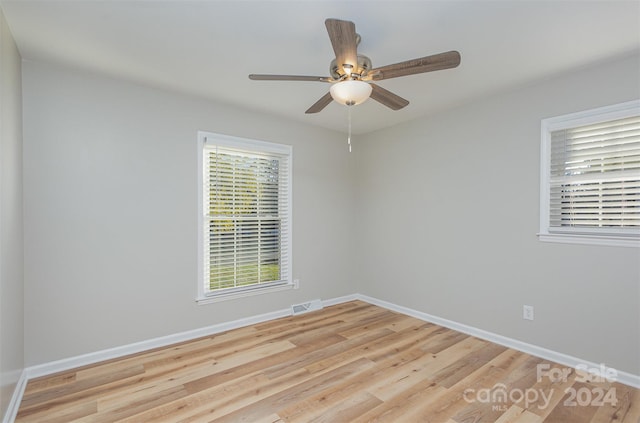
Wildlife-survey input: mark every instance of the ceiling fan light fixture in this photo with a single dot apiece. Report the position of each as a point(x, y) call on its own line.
point(350, 92)
point(349, 71)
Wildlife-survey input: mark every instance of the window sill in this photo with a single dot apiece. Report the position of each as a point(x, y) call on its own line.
point(255, 290)
point(609, 241)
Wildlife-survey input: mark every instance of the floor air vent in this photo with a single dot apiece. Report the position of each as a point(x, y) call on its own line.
point(305, 307)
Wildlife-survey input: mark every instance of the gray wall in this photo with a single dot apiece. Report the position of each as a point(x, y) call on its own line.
point(449, 209)
point(439, 214)
point(111, 212)
point(11, 238)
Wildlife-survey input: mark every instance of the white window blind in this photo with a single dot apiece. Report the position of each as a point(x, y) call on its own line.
point(595, 175)
point(593, 179)
point(246, 219)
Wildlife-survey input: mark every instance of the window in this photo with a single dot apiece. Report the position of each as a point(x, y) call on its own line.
point(245, 217)
point(590, 177)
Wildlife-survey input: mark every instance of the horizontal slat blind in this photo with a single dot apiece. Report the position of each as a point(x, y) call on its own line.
point(246, 213)
point(595, 176)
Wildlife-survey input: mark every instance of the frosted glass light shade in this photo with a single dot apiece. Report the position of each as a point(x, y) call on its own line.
point(350, 92)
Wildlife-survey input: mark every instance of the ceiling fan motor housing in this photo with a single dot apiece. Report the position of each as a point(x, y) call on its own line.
point(364, 65)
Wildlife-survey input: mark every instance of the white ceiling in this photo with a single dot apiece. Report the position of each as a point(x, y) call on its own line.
point(208, 48)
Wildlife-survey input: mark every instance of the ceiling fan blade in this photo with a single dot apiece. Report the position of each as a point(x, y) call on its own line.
point(344, 41)
point(320, 104)
point(262, 77)
point(386, 97)
point(447, 60)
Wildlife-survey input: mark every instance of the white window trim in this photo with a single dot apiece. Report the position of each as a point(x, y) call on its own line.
point(613, 112)
point(240, 292)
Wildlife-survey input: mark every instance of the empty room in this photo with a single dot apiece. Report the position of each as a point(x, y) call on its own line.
point(320, 211)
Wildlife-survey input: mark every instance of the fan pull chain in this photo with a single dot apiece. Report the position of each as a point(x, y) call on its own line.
point(349, 136)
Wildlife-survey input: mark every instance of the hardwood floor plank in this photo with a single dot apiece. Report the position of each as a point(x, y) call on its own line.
point(387, 340)
point(621, 410)
point(460, 369)
point(518, 378)
point(221, 399)
point(160, 378)
point(402, 341)
point(422, 368)
point(385, 320)
point(227, 398)
point(459, 395)
point(551, 390)
point(297, 392)
point(510, 415)
point(62, 413)
point(234, 396)
point(344, 411)
point(353, 362)
point(564, 412)
point(379, 374)
point(131, 408)
point(48, 382)
point(81, 390)
point(338, 313)
point(516, 414)
point(236, 387)
point(633, 413)
point(403, 406)
point(258, 365)
point(528, 417)
point(273, 418)
point(338, 349)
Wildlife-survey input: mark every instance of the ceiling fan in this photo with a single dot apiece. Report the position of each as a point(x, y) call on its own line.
point(352, 73)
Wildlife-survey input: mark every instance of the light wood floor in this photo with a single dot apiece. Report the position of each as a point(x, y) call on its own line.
point(353, 362)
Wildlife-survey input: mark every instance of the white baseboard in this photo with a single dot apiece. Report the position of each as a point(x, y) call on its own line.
point(557, 357)
point(340, 300)
point(121, 351)
point(111, 353)
point(16, 398)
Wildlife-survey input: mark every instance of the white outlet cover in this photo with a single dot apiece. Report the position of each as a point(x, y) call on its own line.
point(527, 312)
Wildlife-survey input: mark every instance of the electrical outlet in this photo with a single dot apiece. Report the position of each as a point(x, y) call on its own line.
point(296, 283)
point(527, 312)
